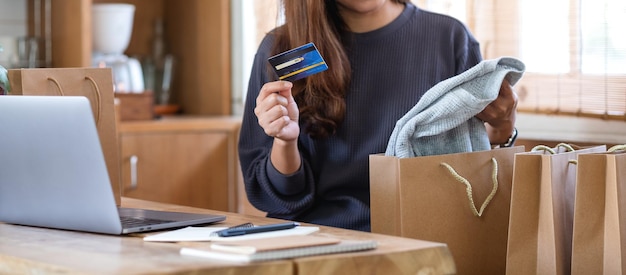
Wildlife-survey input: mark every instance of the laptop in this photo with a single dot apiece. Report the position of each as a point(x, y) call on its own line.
point(53, 173)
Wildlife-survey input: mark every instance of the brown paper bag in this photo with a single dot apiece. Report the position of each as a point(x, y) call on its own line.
point(599, 240)
point(459, 199)
point(542, 207)
point(93, 83)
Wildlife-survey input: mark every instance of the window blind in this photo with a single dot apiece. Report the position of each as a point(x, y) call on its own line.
point(573, 49)
point(583, 69)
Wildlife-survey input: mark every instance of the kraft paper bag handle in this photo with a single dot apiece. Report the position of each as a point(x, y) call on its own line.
point(568, 148)
point(95, 87)
point(468, 187)
point(621, 147)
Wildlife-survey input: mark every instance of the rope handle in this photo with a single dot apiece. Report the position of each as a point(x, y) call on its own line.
point(56, 83)
point(568, 148)
point(98, 98)
point(468, 187)
point(620, 147)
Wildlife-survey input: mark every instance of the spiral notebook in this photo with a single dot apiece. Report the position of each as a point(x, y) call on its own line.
point(277, 248)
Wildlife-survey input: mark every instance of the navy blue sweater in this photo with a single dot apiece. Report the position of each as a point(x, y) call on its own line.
point(392, 67)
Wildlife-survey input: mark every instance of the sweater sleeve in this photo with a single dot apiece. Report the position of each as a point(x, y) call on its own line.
point(267, 189)
point(467, 48)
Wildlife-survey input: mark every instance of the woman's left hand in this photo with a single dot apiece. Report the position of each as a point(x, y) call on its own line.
point(500, 114)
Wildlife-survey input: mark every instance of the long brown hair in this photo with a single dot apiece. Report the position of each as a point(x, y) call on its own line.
point(320, 97)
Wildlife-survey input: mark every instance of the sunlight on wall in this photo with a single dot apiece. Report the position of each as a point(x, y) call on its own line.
point(251, 20)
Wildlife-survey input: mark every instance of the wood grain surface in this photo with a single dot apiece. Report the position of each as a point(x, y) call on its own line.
point(31, 250)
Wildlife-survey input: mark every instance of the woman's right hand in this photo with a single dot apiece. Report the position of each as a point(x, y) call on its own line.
point(277, 111)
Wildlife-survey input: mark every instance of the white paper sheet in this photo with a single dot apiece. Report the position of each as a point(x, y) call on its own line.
point(200, 234)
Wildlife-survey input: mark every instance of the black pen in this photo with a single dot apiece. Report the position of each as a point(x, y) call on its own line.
point(256, 229)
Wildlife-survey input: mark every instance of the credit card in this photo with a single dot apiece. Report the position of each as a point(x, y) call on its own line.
point(298, 63)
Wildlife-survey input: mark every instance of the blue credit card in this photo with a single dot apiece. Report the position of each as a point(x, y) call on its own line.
point(298, 63)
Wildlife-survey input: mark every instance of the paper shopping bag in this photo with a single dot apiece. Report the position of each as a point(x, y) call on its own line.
point(94, 83)
point(542, 207)
point(599, 240)
point(459, 199)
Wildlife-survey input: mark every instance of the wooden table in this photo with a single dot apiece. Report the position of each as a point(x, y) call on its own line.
point(31, 250)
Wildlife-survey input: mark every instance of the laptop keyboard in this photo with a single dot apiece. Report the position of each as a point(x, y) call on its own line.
point(135, 221)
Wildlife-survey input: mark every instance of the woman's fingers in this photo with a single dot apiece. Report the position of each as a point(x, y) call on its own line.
point(275, 108)
point(502, 108)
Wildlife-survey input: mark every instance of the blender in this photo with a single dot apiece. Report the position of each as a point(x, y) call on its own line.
point(112, 25)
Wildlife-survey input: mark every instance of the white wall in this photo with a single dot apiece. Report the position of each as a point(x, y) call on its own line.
point(570, 129)
point(243, 34)
point(251, 20)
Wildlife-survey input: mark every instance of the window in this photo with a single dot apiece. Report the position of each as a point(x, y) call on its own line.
point(574, 88)
point(603, 48)
point(544, 43)
point(574, 50)
point(576, 60)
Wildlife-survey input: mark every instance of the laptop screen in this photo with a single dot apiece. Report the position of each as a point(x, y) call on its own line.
point(52, 169)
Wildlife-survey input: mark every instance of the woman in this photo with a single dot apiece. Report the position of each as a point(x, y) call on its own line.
point(304, 146)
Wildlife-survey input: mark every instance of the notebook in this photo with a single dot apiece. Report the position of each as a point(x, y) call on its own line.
point(276, 248)
point(272, 244)
point(53, 173)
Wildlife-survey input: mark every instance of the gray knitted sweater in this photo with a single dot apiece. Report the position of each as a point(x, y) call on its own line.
point(444, 121)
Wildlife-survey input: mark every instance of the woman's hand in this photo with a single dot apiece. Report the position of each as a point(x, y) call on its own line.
point(500, 115)
point(278, 115)
point(277, 111)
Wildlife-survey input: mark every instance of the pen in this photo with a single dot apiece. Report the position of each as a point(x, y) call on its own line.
point(256, 229)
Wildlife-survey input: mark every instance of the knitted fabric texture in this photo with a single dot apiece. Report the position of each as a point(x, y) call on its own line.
point(443, 121)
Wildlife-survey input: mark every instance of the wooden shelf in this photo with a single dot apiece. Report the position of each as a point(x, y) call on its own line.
point(197, 33)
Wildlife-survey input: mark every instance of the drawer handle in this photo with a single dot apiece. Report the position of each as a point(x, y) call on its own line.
point(133, 172)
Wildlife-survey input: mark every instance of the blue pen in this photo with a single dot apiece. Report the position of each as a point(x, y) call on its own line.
point(256, 229)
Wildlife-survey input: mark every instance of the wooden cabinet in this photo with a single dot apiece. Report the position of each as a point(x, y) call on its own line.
point(189, 161)
point(197, 33)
